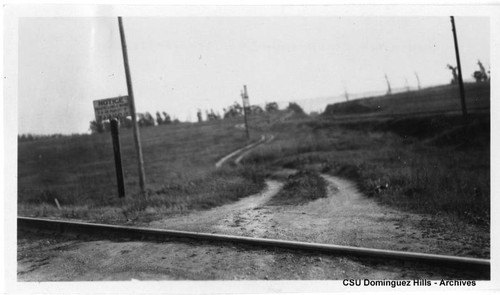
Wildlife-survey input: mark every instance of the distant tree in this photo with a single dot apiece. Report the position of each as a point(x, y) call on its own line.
point(295, 107)
point(145, 120)
point(25, 137)
point(454, 73)
point(272, 107)
point(255, 109)
point(481, 75)
point(150, 119)
point(234, 110)
point(238, 108)
point(211, 116)
point(125, 122)
point(96, 127)
point(166, 118)
point(106, 126)
point(159, 119)
point(198, 114)
point(142, 120)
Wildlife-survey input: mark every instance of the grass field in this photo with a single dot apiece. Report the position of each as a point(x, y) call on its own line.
point(433, 99)
point(180, 173)
point(432, 164)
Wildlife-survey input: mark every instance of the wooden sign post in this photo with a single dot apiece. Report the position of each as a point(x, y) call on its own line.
point(118, 158)
point(111, 109)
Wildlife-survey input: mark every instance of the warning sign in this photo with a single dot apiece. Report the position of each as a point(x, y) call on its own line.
point(244, 95)
point(109, 108)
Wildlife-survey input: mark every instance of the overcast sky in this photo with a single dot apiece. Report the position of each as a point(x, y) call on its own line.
point(180, 64)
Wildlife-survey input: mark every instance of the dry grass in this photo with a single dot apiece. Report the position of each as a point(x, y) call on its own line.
point(440, 98)
point(179, 163)
point(433, 165)
point(441, 167)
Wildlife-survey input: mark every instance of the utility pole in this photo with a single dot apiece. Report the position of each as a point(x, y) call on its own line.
point(244, 96)
point(137, 140)
point(460, 80)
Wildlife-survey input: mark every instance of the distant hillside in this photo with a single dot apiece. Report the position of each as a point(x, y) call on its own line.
point(439, 98)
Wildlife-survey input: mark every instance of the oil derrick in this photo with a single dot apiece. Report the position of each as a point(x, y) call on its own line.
point(418, 80)
point(454, 72)
point(407, 85)
point(346, 94)
point(389, 91)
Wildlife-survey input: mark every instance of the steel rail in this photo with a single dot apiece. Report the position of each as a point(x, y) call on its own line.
point(107, 231)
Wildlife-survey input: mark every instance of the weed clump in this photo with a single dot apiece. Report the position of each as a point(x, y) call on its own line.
point(48, 197)
point(302, 187)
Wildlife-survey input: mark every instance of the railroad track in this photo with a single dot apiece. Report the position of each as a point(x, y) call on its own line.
point(106, 231)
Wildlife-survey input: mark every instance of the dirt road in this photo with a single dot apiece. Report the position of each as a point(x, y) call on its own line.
point(345, 217)
point(57, 258)
point(224, 219)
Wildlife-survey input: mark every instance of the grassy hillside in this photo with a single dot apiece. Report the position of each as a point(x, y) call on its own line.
point(179, 163)
point(434, 99)
point(434, 164)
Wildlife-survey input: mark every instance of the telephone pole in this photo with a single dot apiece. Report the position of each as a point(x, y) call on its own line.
point(459, 67)
point(244, 96)
point(130, 90)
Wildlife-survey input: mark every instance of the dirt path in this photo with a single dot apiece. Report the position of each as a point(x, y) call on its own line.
point(214, 220)
point(239, 151)
point(345, 217)
point(267, 139)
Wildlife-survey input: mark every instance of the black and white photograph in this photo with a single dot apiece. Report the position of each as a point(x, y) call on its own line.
point(249, 149)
